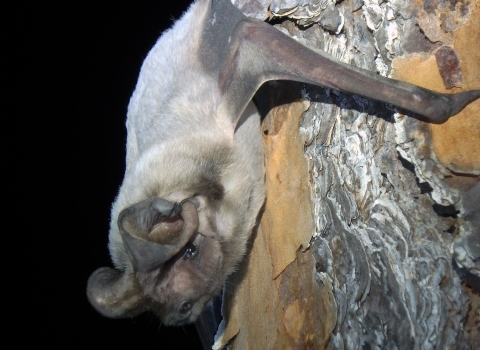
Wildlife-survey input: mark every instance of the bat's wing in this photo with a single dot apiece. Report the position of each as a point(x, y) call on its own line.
point(208, 321)
point(258, 52)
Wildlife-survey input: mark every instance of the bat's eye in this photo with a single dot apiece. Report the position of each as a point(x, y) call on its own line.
point(184, 308)
point(191, 251)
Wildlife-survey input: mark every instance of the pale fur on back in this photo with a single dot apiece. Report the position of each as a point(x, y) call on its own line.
point(176, 134)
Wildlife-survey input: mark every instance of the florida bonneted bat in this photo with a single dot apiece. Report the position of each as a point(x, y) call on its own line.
point(194, 179)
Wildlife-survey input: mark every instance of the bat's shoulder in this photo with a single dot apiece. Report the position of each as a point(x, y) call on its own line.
point(177, 46)
point(171, 82)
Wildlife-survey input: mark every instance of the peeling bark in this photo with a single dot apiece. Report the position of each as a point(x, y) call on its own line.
point(389, 256)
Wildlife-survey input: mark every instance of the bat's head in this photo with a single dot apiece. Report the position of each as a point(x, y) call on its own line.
point(176, 262)
point(181, 221)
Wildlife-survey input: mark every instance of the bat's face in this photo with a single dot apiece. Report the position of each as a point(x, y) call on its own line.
point(181, 288)
point(177, 253)
point(176, 258)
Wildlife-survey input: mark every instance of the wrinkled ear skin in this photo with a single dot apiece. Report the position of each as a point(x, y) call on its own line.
point(114, 293)
point(145, 218)
point(154, 230)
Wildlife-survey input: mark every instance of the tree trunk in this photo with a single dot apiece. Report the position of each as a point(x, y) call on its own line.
point(365, 239)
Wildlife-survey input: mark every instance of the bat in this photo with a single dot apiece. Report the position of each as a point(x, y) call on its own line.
point(194, 178)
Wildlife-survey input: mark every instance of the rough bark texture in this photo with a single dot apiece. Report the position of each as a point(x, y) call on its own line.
point(363, 242)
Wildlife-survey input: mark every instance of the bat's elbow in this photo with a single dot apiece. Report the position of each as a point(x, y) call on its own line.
point(438, 111)
point(444, 107)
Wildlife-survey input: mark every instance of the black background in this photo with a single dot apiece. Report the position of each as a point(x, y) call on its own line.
point(69, 68)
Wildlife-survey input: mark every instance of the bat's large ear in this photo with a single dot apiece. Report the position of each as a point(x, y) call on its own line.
point(154, 230)
point(114, 293)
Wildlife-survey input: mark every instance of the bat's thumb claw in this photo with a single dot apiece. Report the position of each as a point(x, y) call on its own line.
point(460, 100)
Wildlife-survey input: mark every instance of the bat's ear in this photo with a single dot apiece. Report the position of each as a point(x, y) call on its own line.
point(114, 293)
point(154, 230)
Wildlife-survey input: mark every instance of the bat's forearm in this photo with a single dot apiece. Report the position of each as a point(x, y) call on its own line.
point(293, 61)
point(435, 107)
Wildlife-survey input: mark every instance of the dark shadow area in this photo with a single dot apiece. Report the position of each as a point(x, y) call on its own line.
point(208, 322)
point(472, 281)
point(445, 210)
point(71, 68)
point(423, 186)
point(267, 98)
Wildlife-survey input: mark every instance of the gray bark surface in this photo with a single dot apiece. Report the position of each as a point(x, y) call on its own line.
point(383, 215)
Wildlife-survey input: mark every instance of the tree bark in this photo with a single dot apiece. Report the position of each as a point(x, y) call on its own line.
point(360, 240)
